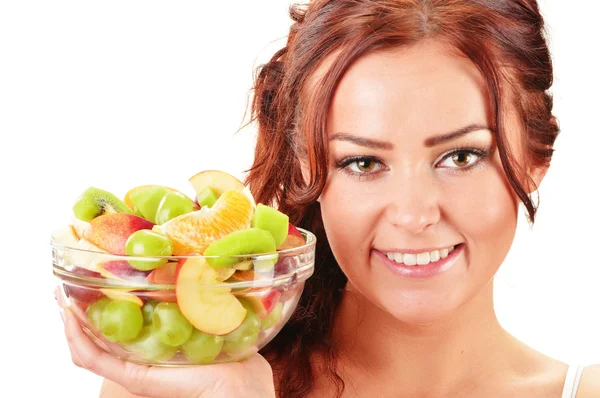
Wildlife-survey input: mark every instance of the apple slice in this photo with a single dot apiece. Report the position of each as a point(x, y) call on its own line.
point(224, 273)
point(263, 301)
point(244, 265)
point(163, 275)
point(66, 236)
point(81, 227)
point(211, 310)
point(121, 269)
point(160, 295)
point(243, 276)
point(114, 294)
point(294, 239)
point(83, 294)
point(219, 181)
point(88, 256)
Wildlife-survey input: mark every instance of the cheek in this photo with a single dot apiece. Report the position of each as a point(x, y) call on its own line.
point(484, 209)
point(349, 216)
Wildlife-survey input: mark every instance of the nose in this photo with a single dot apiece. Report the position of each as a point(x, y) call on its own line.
point(414, 203)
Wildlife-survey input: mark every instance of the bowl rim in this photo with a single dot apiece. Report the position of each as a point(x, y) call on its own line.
point(299, 274)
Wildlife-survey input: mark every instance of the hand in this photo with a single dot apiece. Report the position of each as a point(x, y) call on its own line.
point(252, 377)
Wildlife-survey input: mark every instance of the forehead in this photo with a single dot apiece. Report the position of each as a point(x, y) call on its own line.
point(424, 89)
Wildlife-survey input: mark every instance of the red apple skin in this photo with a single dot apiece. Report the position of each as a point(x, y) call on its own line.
point(121, 269)
point(163, 275)
point(263, 300)
point(83, 294)
point(160, 295)
point(294, 238)
point(110, 231)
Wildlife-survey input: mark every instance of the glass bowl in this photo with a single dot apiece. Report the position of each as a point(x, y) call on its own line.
point(186, 311)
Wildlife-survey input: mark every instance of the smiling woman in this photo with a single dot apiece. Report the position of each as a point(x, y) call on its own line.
point(405, 134)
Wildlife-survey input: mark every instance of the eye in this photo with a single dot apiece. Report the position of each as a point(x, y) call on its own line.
point(360, 165)
point(462, 158)
point(364, 165)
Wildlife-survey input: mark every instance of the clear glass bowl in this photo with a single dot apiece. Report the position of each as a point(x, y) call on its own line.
point(190, 312)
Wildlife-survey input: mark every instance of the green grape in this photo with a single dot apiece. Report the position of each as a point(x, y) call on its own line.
point(121, 320)
point(272, 319)
point(146, 243)
point(207, 197)
point(94, 311)
point(170, 325)
point(272, 220)
point(148, 311)
point(246, 335)
point(146, 200)
point(148, 346)
point(201, 347)
point(172, 205)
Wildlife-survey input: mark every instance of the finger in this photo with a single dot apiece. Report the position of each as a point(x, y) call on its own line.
point(86, 354)
point(131, 376)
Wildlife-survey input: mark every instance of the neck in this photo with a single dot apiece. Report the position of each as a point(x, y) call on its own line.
point(467, 345)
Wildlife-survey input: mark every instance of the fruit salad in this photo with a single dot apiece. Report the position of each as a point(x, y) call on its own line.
point(163, 279)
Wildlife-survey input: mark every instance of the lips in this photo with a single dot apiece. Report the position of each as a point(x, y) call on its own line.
point(415, 271)
point(422, 258)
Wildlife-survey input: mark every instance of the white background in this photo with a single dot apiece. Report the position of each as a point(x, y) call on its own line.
point(122, 93)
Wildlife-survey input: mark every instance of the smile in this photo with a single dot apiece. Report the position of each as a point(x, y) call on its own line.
point(423, 258)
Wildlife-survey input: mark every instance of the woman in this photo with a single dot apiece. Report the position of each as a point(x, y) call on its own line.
point(405, 134)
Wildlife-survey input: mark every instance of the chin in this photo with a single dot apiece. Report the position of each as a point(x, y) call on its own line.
point(419, 307)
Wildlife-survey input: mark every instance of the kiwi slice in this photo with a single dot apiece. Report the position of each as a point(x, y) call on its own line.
point(245, 241)
point(94, 202)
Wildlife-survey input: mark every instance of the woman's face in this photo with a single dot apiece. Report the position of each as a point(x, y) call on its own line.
point(404, 188)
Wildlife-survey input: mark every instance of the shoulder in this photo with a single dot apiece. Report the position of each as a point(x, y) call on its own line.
point(589, 386)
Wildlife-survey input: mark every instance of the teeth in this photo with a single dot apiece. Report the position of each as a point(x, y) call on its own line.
point(411, 259)
point(398, 257)
point(423, 258)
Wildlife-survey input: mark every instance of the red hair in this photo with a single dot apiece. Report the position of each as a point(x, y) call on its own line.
point(503, 38)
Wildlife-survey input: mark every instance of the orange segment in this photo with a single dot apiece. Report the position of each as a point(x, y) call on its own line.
point(193, 232)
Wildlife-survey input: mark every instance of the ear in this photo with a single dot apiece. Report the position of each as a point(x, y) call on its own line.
point(536, 175)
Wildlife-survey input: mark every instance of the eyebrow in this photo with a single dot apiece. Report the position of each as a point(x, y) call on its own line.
point(439, 139)
point(429, 142)
point(362, 141)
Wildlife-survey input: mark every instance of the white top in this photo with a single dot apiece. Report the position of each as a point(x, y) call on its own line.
point(572, 381)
